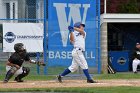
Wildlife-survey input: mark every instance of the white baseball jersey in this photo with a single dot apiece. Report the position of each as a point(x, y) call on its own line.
point(79, 40)
point(78, 56)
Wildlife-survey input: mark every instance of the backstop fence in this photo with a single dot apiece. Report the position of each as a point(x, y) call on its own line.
point(52, 17)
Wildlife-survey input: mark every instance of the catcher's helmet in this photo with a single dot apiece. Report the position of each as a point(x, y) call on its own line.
point(19, 47)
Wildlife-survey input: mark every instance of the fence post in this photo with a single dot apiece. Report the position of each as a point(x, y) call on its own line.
point(99, 48)
point(37, 59)
point(45, 37)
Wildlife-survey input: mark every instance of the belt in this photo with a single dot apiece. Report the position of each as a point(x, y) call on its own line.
point(78, 49)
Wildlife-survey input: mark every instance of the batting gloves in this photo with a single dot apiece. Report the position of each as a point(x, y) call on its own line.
point(70, 28)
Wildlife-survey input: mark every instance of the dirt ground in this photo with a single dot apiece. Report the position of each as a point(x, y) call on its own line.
point(70, 83)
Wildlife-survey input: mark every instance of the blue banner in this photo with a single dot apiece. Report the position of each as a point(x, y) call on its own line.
point(63, 13)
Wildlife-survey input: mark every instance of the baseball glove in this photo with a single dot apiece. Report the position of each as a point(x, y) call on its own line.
point(40, 63)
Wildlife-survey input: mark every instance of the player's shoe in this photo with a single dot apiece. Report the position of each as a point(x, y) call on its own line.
point(91, 81)
point(59, 78)
point(5, 81)
point(135, 72)
point(18, 80)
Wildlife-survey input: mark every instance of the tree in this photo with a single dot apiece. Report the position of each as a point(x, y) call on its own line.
point(130, 7)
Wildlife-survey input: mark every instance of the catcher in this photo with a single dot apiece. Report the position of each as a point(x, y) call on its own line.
point(14, 64)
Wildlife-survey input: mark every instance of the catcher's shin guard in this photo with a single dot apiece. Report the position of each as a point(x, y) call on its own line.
point(26, 71)
point(9, 74)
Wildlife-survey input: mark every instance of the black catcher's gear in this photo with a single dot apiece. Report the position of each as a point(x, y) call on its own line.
point(15, 58)
point(26, 71)
point(19, 47)
point(9, 74)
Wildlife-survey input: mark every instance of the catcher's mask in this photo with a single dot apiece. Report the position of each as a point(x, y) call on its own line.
point(19, 47)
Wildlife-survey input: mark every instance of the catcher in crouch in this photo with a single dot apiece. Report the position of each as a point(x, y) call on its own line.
point(14, 64)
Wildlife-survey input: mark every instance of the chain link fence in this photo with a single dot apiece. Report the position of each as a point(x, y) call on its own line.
point(31, 11)
point(20, 11)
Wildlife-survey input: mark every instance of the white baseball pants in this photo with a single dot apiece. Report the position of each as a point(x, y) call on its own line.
point(135, 64)
point(78, 60)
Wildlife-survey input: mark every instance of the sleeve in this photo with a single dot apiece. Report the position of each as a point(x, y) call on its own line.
point(85, 34)
point(13, 58)
point(71, 37)
point(10, 59)
point(27, 57)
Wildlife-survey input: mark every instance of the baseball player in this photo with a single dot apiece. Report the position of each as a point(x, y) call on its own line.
point(14, 64)
point(77, 38)
point(136, 57)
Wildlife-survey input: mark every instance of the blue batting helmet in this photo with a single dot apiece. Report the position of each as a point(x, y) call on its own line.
point(78, 24)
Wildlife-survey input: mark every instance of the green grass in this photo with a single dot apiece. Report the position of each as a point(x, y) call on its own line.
point(96, 76)
point(33, 77)
point(80, 90)
point(118, 76)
